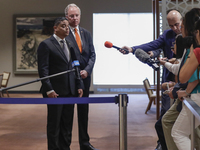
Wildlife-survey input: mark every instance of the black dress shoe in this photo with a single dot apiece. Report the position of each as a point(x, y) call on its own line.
point(88, 147)
point(158, 147)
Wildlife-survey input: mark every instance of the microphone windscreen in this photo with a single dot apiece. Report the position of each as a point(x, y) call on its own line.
point(141, 55)
point(108, 44)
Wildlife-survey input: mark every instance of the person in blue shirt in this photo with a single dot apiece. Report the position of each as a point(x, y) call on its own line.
point(164, 41)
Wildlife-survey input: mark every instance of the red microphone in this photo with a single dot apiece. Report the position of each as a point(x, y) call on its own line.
point(110, 45)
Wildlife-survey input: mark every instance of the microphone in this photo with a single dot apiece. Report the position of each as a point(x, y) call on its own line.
point(145, 58)
point(75, 63)
point(109, 45)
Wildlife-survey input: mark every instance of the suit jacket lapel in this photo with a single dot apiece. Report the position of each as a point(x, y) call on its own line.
point(57, 45)
point(72, 38)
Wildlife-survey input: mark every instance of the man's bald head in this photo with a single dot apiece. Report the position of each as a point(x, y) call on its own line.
point(174, 19)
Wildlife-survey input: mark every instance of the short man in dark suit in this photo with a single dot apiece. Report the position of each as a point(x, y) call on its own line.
point(54, 57)
point(84, 49)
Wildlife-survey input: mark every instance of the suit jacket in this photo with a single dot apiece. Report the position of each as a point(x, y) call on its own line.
point(52, 60)
point(88, 56)
point(164, 41)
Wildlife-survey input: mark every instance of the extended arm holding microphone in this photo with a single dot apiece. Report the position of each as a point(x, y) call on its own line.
point(110, 45)
point(145, 58)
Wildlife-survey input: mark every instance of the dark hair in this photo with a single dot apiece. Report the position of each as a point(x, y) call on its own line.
point(189, 21)
point(182, 43)
point(197, 24)
point(58, 20)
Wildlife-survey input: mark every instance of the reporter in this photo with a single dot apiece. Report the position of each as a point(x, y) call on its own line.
point(180, 130)
point(165, 40)
point(172, 114)
point(173, 65)
point(192, 63)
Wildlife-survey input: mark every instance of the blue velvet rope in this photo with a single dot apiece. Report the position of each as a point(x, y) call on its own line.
point(74, 100)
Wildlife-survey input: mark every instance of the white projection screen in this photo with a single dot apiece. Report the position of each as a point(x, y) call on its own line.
point(111, 66)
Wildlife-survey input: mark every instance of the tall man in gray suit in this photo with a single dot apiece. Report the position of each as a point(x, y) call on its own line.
point(54, 56)
point(85, 53)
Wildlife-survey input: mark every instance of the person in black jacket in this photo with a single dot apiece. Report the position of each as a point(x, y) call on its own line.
point(54, 57)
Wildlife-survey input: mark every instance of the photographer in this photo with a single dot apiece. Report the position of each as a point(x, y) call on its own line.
point(190, 73)
point(171, 115)
point(181, 49)
point(164, 41)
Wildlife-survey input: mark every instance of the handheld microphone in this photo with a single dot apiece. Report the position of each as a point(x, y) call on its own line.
point(75, 63)
point(145, 58)
point(110, 45)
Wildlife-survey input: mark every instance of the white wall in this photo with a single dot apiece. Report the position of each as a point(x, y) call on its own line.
point(88, 7)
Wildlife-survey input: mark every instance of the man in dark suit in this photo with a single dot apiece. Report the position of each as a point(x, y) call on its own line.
point(85, 53)
point(54, 57)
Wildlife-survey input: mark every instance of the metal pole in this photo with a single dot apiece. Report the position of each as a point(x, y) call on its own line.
point(123, 100)
point(36, 80)
point(154, 36)
point(158, 72)
point(192, 130)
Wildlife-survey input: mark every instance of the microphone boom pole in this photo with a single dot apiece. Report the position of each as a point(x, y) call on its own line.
point(39, 79)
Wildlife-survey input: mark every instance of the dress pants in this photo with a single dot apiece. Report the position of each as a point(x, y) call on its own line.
point(168, 121)
point(59, 126)
point(158, 125)
point(83, 111)
point(59, 129)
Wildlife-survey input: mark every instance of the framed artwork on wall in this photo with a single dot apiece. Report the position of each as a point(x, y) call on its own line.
point(29, 31)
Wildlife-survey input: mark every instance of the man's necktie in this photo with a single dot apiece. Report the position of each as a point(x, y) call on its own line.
point(65, 49)
point(78, 40)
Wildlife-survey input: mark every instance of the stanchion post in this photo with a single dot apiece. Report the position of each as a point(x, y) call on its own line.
point(123, 100)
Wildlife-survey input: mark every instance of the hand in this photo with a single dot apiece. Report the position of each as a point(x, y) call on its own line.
point(83, 74)
point(173, 51)
point(53, 95)
point(181, 94)
point(127, 48)
point(170, 93)
point(172, 60)
point(162, 60)
point(150, 53)
point(80, 92)
point(171, 84)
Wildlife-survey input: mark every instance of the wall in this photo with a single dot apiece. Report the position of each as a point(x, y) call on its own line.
point(88, 7)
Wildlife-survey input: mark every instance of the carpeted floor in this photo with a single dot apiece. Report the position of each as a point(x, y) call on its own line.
point(23, 127)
